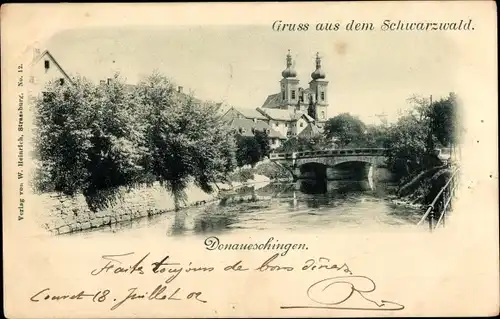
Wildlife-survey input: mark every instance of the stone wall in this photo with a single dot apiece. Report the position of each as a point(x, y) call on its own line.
point(62, 214)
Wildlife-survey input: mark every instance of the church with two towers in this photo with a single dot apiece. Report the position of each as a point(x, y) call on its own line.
point(312, 100)
point(293, 111)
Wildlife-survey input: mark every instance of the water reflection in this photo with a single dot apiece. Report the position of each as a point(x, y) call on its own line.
point(281, 206)
point(213, 222)
point(179, 224)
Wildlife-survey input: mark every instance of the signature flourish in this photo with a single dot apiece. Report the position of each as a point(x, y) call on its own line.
point(334, 292)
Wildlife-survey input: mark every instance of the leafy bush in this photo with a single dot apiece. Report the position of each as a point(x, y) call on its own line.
point(272, 171)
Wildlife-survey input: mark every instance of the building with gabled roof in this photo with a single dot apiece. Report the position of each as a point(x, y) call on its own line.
point(44, 68)
point(250, 114)
point(309, 131)
point(247, 123)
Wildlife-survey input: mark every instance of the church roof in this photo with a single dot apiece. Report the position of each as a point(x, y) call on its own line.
point(248, 125)
point(284, 115)
point(272, 101)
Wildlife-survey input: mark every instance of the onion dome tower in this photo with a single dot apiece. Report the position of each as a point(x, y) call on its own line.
point(318, 73)
point(319, 86)
point(289, 72)
point(289, 95)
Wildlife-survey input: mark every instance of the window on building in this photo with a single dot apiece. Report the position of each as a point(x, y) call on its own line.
point(323, 114)
point(301, 124)
point(240, 130)
point(286, 124)
point(47, 64)
point(293, 94)
point(322, 96)
point(283, 95)
point(61, 81)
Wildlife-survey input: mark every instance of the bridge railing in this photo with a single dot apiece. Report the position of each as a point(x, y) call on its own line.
point(441, 204)
point(330, 152)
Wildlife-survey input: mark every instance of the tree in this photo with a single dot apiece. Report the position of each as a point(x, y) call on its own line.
point(265, 143)
point(444, 120)
point(376, 136)
point(413, 138)
point(311, 109)
point(185, 140)
point(299, 143)
point(407, 139)
point(344, 129)
point(85, 140)
point(96, 139)
point(249, 151)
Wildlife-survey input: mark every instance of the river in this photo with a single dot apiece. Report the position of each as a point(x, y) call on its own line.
point(304, 205)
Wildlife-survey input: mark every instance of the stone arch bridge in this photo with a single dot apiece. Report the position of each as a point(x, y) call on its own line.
point(358, 163)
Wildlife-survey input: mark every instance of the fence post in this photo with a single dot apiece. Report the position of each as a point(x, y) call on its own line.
point(431, 218)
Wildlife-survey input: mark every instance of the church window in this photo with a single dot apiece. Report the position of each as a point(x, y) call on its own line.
point(283, 95)
point(323, 114)
point(293, 94)
point(322, 96)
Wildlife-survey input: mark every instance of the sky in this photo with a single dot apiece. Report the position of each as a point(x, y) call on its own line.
point(368, 73)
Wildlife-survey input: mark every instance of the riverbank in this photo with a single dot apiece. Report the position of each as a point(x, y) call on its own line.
point(422, 189)
point(61, 214)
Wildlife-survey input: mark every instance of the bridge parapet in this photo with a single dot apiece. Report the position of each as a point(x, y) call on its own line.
point(330, 153)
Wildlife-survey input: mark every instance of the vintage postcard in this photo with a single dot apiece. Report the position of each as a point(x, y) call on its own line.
point(250, 160)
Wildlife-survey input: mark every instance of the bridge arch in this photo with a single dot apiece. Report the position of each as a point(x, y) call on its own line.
point(313, 170)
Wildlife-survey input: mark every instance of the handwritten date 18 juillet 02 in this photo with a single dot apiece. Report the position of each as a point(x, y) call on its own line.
point(161, 292)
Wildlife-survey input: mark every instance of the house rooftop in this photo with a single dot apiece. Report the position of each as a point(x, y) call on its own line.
point(284, 115)
point(248, 126)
